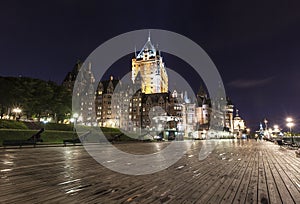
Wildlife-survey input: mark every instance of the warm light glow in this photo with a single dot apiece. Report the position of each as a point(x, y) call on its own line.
point(290, 125)
point(17, 110)
point(75, 115)
point(289, 119)
point(276, 128)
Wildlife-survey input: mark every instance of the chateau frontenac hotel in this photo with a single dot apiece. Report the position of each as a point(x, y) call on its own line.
point(146, 99)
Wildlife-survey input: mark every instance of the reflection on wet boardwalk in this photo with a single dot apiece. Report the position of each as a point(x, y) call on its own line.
point(235, 172)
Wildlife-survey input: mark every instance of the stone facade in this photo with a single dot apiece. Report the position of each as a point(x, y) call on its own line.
point(149, 64)
point(139, 103)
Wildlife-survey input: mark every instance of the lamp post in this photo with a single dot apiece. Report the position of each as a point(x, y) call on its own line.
point(276, 130)
point(290, 124)
point(248, 132)
point(266, 124)
point(75, 116)
point(17, 111)
point(266, 133)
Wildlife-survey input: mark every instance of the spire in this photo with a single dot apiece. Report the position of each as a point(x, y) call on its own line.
point(147, 48)
point(260, 126)
point(237, 113)
point(186, 98)
point(157, 50)
point(201, 92)
point(149, 36)
point(135, 51)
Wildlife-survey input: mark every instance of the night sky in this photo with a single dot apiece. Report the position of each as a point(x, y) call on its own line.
point(254, 44)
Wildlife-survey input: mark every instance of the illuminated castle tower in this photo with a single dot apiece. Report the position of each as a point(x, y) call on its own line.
point(149, 64)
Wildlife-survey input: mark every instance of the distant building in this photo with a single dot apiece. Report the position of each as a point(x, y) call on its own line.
point(203, 109)
point(124, 108)
point(84, 95)
point(229, 126)
point(104, 110)
point(149, 63)
point(70, 78)
point(238, 124)
point(139, 103)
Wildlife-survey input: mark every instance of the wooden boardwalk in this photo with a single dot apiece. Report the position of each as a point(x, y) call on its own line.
point(235, 172)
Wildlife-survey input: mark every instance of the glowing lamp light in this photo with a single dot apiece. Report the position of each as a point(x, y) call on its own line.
point(17, 110)
point(75, 115)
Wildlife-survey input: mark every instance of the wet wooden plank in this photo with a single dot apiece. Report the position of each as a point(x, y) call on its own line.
point(218, 189)
point(228, 189)
point(280, 184)
point(241, 192)
point(262, 191)
point(251, 196)
point(257, 170)
point(274, 196)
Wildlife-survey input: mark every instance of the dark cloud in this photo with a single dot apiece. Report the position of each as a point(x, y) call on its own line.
point(250, 83)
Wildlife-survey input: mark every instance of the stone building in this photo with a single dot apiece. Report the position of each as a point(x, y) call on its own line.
point(84, 96)
point(238, 124)
point(136, 104)
point(70, 78)
point(105, 104)
point(149, 63)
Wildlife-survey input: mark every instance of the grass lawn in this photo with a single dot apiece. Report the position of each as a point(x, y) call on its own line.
point(50, 136)
point(54, 133)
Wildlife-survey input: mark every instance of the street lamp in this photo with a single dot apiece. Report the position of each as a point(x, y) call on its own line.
point(276, 130)
point(248, 132)
point(16, 111)
point(290, 124)
point(266, 124)
point(75, 117)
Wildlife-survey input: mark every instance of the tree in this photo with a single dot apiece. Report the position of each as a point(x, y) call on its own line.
point(36, 98)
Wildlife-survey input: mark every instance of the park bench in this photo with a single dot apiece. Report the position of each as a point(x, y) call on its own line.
point(76, 140)
point(116, 137)
point(30, 141)
point(289, 144)
point(280, 142)
point(83, 137)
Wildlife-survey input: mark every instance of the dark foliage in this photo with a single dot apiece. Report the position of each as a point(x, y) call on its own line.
point(35, 97)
